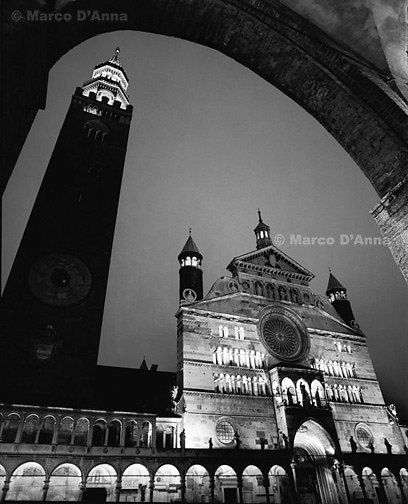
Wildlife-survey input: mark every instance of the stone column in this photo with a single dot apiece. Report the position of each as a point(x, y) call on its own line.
point(56, 431)
point(81, 490)
point(383, 493)
point(45, 489)
point(265, 483)
point(153, 439)
point(293, 483)
point(105, 443)
point(212, 488)
point(151, 488)
point(362, 485)
point(240, 493)
point(118, 488)
point(183, 488)
point(90, 435)
point(5, 489)
point(343, 477)
point(123, 433)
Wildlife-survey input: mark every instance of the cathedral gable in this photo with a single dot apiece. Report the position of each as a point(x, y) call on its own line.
point(270, 261)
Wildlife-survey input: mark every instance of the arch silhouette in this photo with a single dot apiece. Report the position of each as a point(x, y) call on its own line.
point(344, 93)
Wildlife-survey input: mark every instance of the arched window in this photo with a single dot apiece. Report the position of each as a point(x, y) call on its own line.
point(219, 356)
point(278, 485)
point(241, 333)
point(252, 359)
point(288, 392)
point(30, 429)
point(188, 261)
point(65, 484)
point(10, 428)
point(317, 392)
point(146, 434)
point(220, 331)
point(270, 291)
point(81, 432)
point(258, 289)
point(225, 483)
point(103, 476)
point(135, 483)
point(242, 357)
point(47, 430)
point(283, 293)
point(198, 484)
point(27, 483)
point(225, 331)
point(252, 485)
point(66, 427)
point(115, 428)
point(99, 430)
point(303, 392)
point(225, 358)
point(167, 484)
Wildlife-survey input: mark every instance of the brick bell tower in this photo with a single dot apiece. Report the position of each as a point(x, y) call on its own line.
point(53, 302)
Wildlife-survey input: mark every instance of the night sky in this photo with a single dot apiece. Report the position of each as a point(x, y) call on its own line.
point(210, 142)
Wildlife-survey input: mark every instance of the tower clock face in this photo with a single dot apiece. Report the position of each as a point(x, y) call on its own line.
point(189, 295)
point(59, 280)
point(283, 333)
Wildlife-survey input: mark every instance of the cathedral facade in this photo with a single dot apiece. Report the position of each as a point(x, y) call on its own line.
point(275, 398)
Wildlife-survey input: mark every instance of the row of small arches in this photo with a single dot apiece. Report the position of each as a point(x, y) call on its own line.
point(303, 394)
point(394, 490)
point(79, 432)
point(335, 368)
point(241, 385)
point(29, 482)
point(282, 293)
point(224, 332)
point(227, 356)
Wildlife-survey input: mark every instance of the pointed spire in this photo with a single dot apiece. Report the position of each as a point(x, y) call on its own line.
point(190, 247)
point(334, 285)
point(115, 58)
point(262, 233)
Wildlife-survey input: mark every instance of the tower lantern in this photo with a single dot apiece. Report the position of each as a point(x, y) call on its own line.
point(191, 275)
point(262, 233)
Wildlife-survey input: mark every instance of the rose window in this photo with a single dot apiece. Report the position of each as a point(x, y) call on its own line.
point(283, 333)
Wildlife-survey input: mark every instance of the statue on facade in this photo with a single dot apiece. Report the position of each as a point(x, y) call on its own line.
point(353, 445)
point(388, 446)
point(237, 440)
point(210, 443)
point(173, 395)
point(182, 439)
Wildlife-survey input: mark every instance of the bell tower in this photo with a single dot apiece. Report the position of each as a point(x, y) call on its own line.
point(337, 295)
point(191, 274)
point(53, 302)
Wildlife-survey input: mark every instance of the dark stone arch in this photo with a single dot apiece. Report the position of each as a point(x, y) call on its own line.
point(348, 96)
